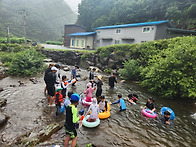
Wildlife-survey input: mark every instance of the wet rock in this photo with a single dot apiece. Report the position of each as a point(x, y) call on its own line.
point(122, 81)
point(66, 69)
point(21, 83)
point(12, 85)
point(37, 135)
point(33, 80)
point(48, 60)
point(1, 89)
point(112, 64)
point(3, 118)
point(97, 69)
point(3, 102)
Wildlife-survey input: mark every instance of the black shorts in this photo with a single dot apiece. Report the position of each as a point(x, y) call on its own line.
point(51, 90)
point(72, 134)
point(98, 92)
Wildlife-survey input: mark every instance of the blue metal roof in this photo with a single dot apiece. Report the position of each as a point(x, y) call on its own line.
point(82, 34)
point(136, 25)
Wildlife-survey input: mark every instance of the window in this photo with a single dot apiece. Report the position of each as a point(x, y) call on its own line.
point(143, 41)
point(98, 32)
point(82, 43)
point(117, 41)
point(118, 31)
point(146, 29)
point(72, 42)
point(77, 43)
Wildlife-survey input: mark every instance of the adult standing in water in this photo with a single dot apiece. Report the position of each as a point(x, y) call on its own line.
point(46, 75)
point(73, 73)
point(50, 84)
point(112, 80)
point(99, 87)
point(91, 76)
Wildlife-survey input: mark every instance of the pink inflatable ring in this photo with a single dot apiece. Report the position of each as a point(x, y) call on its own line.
point(147, 113)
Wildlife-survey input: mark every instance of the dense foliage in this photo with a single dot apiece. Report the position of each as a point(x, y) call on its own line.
point(95, 13)
point(21, 60)
point(166, 67)
point(45, 20)
point(54, 42)
point(13, 39)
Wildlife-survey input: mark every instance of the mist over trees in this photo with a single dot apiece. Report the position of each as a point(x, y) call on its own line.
point(95, 13)
point(45, 19)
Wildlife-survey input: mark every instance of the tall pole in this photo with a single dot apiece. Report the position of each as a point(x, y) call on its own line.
point(25, 24)
point(8, 34)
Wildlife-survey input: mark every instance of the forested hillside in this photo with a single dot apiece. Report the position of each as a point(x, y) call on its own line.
point(45, 19)
point(95, 13)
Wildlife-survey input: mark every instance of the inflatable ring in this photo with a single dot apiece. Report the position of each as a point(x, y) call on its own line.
point(132, 102)
point(105, 114)
point(84, 102)
point(172, 114)
point(90, 124)
point(147, 113)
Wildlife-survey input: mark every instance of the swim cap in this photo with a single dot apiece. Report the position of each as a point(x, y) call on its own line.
point(75, 97)
point(89, 84)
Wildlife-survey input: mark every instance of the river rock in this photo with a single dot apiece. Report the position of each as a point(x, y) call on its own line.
point(37, 135)
point(1, 89)
point(48, 60)
point(3, 102)
point(66, 69)
point(97, 69)
point(33, 80)
point(3, 118)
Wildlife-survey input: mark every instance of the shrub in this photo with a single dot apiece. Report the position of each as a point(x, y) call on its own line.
point(26, 63)
point(54, 42)
point(130, 71)
point(171, 73)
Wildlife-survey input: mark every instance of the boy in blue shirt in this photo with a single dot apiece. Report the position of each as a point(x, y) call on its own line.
point(122, 103)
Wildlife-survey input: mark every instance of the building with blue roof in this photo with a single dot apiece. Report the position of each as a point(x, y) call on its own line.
point(127, 34)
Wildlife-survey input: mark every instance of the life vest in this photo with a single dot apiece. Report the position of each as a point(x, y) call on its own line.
point(58, 98)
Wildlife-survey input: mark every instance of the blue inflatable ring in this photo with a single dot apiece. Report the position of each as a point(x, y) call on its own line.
point(172, 114)
point(90, 124)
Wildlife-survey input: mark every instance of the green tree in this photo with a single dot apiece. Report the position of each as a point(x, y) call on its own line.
point(171, 73)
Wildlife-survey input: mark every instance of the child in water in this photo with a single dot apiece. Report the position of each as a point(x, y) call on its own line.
point(150, 105)
point(94, 108)
point(165, 118)
point(132, 98)
point(102, 104)
point(71, 120)
point(122, 103)
point(58, 100)
point(64, 85)
point(89, 92)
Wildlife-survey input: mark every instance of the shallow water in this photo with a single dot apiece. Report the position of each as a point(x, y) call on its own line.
point(27, 108)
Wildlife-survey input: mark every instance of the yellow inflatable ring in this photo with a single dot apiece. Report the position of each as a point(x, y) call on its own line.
point(105, 114)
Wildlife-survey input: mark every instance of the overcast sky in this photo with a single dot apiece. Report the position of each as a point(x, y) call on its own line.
point(73, 4)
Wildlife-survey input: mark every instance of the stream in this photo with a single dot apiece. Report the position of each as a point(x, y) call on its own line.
point(27, 107)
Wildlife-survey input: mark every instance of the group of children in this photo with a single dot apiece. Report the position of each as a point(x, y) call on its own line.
point(70, 103)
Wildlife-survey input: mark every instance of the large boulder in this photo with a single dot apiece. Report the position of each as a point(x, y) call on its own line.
point(37, 135)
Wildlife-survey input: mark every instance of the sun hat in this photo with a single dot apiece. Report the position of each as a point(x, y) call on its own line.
point(75, 97)
point(54, 68)
point(99, 77)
